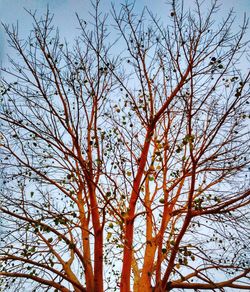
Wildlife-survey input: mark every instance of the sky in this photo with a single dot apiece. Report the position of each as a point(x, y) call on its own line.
point(12, 11)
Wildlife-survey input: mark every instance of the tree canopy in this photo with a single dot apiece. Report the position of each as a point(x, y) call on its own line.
point(125, 156)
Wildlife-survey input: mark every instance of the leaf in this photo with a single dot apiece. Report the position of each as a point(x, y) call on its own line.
point(109, 235)
point(129, 173)
point(33, 249)
point(50, 239)
point(71, 245)
point(162, 201)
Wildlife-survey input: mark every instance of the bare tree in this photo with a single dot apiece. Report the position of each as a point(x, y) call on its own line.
point(125, 156)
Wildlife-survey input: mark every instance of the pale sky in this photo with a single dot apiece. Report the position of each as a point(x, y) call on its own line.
point(64, 10)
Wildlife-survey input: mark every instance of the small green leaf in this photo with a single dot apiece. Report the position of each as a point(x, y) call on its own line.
point(162, 201)
point(33, 249)
point(71, 245)
point(109, 235)
point(50, 239)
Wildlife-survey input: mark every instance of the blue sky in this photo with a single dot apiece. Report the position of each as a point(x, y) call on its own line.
point(64, 10)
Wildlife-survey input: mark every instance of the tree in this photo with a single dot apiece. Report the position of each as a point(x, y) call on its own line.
point(126, 169)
